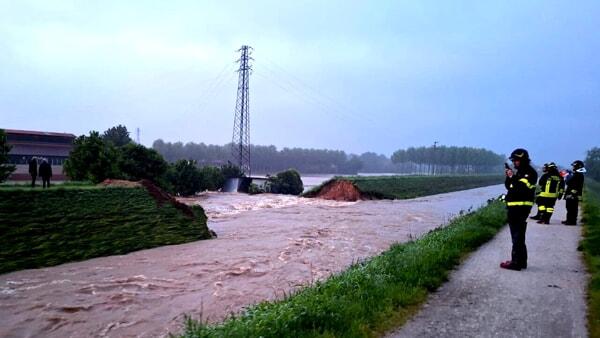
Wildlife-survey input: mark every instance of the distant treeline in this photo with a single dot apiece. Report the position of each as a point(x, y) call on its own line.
point(268, 159)
point(449, 160)
point(264, 159)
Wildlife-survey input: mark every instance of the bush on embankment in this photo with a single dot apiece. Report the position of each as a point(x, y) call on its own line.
point(404, 187)
point(591, 250)
point(41, 228)
point(369, 297)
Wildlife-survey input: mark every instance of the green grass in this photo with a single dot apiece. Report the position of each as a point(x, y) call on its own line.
point(370, 297)
point(591, 251)
point(404, 187)
point(11, 186)
point(40, 228)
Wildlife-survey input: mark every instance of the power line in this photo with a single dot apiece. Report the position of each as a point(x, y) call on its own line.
point(318, 95)
point(240, 147)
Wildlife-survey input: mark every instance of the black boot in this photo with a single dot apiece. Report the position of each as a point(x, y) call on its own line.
point(547, 217)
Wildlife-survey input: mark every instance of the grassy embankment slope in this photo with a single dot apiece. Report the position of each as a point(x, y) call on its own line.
point(41, 228)
point(404, 187)
point(591, 250)
point(370, 297)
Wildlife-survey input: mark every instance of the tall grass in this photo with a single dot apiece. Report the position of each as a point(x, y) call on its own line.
point(41, 228)
point(369, 297)
point(591, 251)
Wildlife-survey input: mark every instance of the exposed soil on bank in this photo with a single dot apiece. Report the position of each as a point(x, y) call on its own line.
point(340, 190)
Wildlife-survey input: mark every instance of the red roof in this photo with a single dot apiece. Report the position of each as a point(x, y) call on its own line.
point(31, 132)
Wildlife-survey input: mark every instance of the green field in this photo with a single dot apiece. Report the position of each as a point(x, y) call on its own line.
point(404, 187)
point(591, 250)
point(370, 297)
point(41, 228)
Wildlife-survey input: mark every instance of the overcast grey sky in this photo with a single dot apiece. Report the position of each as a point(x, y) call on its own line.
point(349, 75)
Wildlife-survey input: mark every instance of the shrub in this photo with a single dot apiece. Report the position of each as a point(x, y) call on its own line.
point(92, 159)
point(184, 177)
point(137, 162)
point(211, 178)
point(5, 169)
point(230, 170)
point(286, 182)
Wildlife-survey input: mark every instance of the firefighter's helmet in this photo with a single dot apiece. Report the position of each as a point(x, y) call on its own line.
point(577, 164)
point(519, 154)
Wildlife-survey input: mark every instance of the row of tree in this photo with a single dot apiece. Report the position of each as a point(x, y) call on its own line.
point(113, 155)
point(264, 159)
point(449, 160)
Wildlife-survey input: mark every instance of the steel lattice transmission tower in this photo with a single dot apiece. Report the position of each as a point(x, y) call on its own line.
point(240, 148)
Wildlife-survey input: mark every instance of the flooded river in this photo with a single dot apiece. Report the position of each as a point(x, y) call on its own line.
point(268, 245)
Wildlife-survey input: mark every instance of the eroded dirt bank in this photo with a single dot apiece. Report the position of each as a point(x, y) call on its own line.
point(267, 245)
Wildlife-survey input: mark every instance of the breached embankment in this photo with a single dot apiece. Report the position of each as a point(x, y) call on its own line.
point(340, 190)
point(353, 188)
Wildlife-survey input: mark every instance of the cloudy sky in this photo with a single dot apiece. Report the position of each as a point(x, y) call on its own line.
point(350, 75)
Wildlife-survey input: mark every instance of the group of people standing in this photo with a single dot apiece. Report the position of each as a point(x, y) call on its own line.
point(522, 193)
point(44, 171)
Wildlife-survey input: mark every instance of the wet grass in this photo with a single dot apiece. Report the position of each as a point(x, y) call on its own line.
point(40, 228)
point(591, 250)
point(54, 186)
point(404, 187)
point(370, 297)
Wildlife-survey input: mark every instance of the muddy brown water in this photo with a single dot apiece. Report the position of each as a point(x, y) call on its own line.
point(268, 245)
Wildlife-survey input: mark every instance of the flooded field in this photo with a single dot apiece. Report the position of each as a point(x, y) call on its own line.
point(268, 245)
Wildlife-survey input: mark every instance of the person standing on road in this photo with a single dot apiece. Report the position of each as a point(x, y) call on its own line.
point(519, 200)
point(45, 173)
point(33, 170)
point(574, 192)
point(552, 187)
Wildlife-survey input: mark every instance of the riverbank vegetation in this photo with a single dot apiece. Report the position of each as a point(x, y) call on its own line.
point(113, 155)
point(370, 297)
point(591, 250)
point(68, 223)
point(404, 187)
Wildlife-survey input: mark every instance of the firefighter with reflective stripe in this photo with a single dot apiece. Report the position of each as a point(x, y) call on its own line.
point(574, 192)
point(519, 200)
point(552, 187)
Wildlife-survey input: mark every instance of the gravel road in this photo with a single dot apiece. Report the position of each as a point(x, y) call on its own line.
point(482, 300)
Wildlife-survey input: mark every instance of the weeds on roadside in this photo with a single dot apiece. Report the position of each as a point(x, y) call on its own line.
point(591, 250)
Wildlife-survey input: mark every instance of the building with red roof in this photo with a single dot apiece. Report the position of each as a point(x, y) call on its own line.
point(26, 144)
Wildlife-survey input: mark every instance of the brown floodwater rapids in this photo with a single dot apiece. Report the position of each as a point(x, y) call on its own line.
point(267, 246)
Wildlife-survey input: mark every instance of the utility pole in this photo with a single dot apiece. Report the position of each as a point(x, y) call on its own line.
point(434, 155)
point(240, 148)
point(137, 135)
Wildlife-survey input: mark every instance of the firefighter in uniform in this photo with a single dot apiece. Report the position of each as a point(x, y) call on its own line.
point(552, 187)
point(519, 200)
point(574, 192)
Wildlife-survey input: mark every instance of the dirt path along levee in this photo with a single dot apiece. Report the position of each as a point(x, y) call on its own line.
point(483, 300)
point(267, 246)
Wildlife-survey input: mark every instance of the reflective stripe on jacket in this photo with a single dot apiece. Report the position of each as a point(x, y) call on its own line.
point(521, 187)
point(551, 185)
